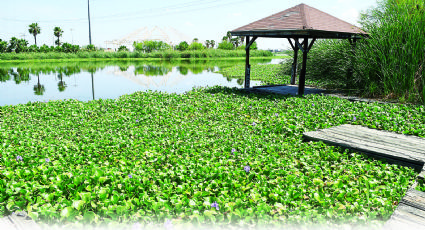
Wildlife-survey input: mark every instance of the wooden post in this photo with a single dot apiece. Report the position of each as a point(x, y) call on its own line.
point(301, 83)
point(247, 65)
point(294, 64)
point(350, 71)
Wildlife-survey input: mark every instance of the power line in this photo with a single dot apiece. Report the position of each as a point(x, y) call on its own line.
point(173, 9)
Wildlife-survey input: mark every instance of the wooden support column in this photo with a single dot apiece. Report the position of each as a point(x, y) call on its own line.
point(295, 62)
point(247, 65)
point(301, 83)
point(305, 48)
point(350, 71)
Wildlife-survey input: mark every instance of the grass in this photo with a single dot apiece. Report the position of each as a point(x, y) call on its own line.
point(270, 74)
point(168, 54)
point(274, 74)
point(149, 157)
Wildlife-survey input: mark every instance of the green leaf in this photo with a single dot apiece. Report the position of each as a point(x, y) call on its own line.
point(78, 204)
point(67, 212)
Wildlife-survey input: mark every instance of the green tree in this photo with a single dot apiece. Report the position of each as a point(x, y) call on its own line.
point(3, 46)
point(34, 29)
point(212, 43)
point(196, 46)
point(225, 45)
point(182, 46)
point(57, 31)
point(39, 88)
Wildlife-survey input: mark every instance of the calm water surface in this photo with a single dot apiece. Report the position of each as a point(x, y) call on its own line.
point(29, 82)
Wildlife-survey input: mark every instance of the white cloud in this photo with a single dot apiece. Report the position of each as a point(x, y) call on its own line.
point(188, 24)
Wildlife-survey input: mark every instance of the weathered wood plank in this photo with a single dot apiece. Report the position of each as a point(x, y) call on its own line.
point(413, 143)
point(360, 146)
point(397, 223)
point(409, 214)
point(394, 147)
point(421, 175)
point(22, 221)
point(384, 144)
point(398, 141)
point(414, 198)
point(368, 140)
point(5, 223)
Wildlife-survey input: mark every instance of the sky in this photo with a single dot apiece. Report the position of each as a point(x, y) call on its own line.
point(115, 19)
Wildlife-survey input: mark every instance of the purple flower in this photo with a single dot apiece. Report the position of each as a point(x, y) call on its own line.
point(233, 151)
point(130, 176)
point(137, 120)
point(246, 168)
point(47, 160)
point(215, 205)
point(254, 124)
point(250, 107)
point(18, 158)
point(276, 114)
point(354, 118)
point(313, 104)
point(168, 224)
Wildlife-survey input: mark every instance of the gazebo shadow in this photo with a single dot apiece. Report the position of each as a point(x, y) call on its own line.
point(281, 92)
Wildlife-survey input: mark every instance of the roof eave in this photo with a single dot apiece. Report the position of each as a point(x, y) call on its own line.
point(298, 34)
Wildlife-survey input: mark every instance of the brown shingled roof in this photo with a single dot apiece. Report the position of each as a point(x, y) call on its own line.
point(299, 20)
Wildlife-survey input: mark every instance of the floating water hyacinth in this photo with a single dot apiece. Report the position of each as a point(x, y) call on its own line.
point(47, 160)
point(18, 158)
point(247, 168)
point(215, 205)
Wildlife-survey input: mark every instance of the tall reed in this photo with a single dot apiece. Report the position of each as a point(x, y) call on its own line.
point(392, 61)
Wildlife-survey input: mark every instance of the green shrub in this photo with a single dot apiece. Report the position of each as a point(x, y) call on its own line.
point(123, 48)
point(226, 45)
point(196, 46)
point(182, 46)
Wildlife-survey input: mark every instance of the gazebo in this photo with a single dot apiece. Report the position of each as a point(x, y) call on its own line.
point(299, 22)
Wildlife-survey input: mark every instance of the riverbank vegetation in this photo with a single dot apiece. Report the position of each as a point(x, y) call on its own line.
point(214, 156)
point(389, 63)
point(167, 54)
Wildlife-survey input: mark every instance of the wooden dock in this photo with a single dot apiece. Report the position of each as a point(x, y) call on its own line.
point(395, 148)
point(18, 221)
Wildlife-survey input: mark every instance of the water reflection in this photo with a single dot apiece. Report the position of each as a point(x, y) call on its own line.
point(117, 77)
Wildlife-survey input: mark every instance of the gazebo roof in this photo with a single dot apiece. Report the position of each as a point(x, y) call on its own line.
point(300, 21)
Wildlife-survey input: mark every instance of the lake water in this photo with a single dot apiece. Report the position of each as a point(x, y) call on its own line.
point(25, 82)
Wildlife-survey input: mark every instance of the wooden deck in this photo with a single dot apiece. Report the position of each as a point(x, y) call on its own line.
point(395, 148)
point(18, 221)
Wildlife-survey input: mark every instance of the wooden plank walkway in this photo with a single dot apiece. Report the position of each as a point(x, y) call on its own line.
point(18, 221)
point(395, 148)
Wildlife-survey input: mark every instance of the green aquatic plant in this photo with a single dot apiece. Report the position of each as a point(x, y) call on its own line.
point(198, 158)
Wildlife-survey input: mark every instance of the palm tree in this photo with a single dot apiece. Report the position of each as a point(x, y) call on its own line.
point(34, 30)
point(39, 88)
point(57, 31)
point(212, 42)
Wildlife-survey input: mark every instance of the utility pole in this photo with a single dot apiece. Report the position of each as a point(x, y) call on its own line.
point(72, 35)
point(88, 8)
